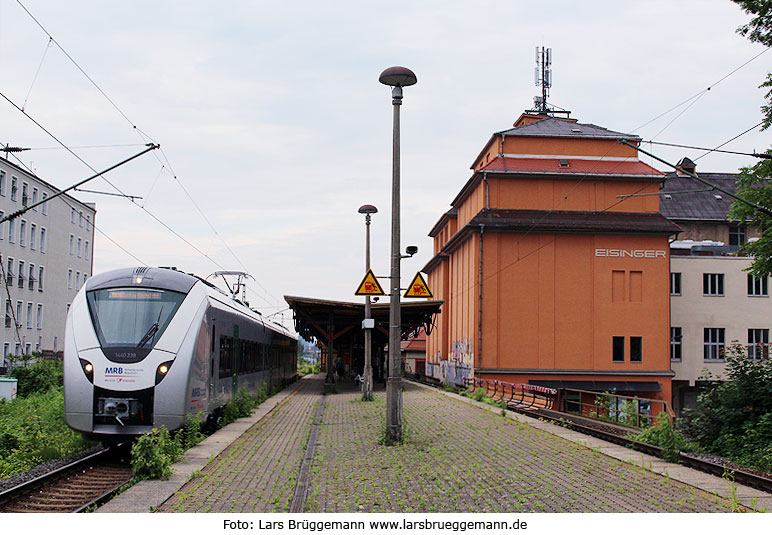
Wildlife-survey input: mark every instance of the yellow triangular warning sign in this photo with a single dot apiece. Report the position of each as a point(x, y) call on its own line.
point(418, 288)
point(369, 285)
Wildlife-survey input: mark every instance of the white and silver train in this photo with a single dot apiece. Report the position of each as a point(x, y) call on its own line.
point(145, 347)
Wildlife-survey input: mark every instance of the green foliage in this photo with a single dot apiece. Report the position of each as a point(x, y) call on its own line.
point(753, 185)
point(32, 431)
point(735, 417)
point(40, 377)
point(664, 435)
point(150, 455)
point(759, 29)
point(190, 434)
point(307, 369)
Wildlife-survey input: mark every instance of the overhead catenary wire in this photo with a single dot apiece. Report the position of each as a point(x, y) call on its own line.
point(34, 78)
point(145, 136)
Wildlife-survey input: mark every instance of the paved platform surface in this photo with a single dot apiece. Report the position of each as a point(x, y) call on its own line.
point(459, 456)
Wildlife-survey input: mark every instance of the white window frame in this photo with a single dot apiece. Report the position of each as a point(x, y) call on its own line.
point(29, 315)
point(44, 206)
point(85, 250)
point(2, 183)
point(35, 197)
point(80, 248)
point(39, 319)
point(73, 216)
point(675, 283)
point(12, 231)
point(14, 188)
point(758, 344)
point(2, 214)
point(22, 233)
point(20, 275)
point(43, 239)
point(41, 277)
point(676, 344)
point(72, 245)
point(714, 340)
point(758, 287)
point(31, 277)
point(33, 232)
point(713, 284)
point(69, 279)
point(24, 194)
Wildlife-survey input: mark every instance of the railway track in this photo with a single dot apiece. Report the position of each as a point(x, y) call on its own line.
point(616, 435)
point(70, 489)
point(611, 434)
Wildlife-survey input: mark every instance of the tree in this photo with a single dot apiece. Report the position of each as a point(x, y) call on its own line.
point(753, 183)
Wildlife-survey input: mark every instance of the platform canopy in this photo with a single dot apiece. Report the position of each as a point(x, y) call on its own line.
point(325, 319)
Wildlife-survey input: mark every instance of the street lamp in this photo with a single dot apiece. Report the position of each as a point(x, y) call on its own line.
point(397, 78)
point(367, 384)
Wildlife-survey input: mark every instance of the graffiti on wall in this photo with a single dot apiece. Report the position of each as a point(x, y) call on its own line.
point(456, 367)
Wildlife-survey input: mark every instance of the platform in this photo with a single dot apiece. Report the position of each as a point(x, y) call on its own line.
point(459, 456)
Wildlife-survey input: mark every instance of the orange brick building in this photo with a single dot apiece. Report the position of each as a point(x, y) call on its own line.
point(549, 277)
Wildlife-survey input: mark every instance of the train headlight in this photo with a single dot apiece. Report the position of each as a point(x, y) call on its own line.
point(88, 369)
point(162, 370)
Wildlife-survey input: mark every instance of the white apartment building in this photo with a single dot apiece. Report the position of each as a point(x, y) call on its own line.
point(46, 255)
point(714, 302)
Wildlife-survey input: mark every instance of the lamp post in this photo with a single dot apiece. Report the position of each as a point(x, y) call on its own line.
point(397, 78)
point(367, 384)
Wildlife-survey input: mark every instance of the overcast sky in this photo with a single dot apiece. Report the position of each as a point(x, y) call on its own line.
point(272, 118)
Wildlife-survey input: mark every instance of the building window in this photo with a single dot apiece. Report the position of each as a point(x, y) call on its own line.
point(1, 225)
point(31, 277)
point(12, 231)
point(42, 240)
point(72, 244)
point(2, 183)
point(69, 279)
point(39, 319)
point(80, 247)
point(20, 274)
point(758, 344)
point(757, 287)
point(6, 349)
point(618, 345)
point(8, 313)
point(45, 204)
point(636, 349)
point(736, 234)
point(29, 315)
point(22, 233)
point(675, 284)
point(27, 348)
point(77, 280)
point(24, 194)
point(73, 216)
point(19, 305)
point(17, 349)
point(80, 219)
point(9, 273)
point(85, 250)
point(713, 284)
point(41, 273)
point(33, 236)
point(675, 343)
point(35, 197)
point(88, 223)
point(14, 188)
point(714, 343)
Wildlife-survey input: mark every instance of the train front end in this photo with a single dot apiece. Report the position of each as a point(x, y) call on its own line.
point(128, 348)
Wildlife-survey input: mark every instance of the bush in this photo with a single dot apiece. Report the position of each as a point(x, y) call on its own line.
point(32, 431)
point(665, 436)
point(735, 416)
point(150, 456)
point(40, 377)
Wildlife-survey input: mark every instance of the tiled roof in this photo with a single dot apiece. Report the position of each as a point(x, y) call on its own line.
point(570, 166)
point(704, 204)
point(553, 127)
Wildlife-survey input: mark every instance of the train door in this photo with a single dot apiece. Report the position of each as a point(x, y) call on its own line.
point(213, 367)
point(236, 348)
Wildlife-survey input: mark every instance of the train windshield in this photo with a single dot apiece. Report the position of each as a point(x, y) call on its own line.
point(132, 317)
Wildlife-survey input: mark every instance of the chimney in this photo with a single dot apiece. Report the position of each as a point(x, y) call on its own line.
point(687, 165)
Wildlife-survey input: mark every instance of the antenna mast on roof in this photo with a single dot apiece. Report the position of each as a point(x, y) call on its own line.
point(543, 77)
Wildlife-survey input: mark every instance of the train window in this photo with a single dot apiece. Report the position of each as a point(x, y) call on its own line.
point(226, 345)
point(132, 317)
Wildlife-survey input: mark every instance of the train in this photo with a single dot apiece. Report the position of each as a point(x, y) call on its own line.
point(145, 347)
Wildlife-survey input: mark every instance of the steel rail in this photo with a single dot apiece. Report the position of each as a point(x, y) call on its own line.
point(19, 492)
